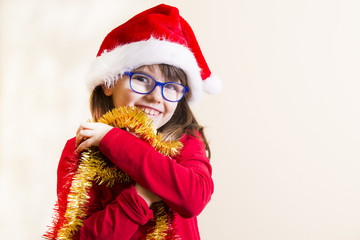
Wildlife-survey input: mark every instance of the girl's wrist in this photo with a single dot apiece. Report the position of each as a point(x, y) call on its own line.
point(148, 196)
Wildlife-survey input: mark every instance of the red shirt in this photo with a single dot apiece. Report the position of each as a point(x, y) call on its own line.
point(183, 183)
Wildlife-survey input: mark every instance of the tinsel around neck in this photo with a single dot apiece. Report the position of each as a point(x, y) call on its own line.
point(135, 120)
point(93, 169)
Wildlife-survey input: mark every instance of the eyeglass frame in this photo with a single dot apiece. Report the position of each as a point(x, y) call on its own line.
point(130, 74)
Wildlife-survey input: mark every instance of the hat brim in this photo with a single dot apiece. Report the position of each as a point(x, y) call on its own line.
point(109, 65)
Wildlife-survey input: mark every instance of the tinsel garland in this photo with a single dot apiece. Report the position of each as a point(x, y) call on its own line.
point(93, 168)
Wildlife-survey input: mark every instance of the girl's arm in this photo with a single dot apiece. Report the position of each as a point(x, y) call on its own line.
point(184, 183)
point(90, 134)
point(120, 218)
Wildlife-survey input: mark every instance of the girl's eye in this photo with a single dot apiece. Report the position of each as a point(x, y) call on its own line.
point(170, 87)
point(141, 79)
point(174, 87)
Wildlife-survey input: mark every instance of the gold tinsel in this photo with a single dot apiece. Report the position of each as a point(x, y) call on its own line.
point(161, 224)
point(93, 168)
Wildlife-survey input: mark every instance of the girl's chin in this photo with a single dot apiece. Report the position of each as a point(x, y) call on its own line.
point(157, 124)
point(158, 120)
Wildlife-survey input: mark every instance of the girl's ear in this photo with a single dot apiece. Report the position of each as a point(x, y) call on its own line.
point(108, 91)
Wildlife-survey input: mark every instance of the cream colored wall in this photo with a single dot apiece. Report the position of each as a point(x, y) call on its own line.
point(284, 132)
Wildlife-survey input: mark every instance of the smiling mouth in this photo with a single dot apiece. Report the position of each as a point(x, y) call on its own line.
point(150, 111)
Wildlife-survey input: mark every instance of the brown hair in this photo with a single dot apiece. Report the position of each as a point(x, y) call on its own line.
point(183, 120)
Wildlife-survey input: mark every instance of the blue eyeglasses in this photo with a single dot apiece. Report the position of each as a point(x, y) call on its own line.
point(144, 84)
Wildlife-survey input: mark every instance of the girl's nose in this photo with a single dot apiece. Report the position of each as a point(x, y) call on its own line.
point(155, 95)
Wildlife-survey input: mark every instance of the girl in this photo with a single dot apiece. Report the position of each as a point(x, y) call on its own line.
point(151, 62)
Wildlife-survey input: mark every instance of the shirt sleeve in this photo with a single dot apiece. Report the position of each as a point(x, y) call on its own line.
point(121, 218)
point(66, 170)
point(184, 183)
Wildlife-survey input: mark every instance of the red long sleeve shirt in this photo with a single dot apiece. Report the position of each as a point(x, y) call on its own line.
point(183, 183)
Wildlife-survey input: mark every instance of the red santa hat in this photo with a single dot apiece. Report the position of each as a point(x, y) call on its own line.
point(156, 36)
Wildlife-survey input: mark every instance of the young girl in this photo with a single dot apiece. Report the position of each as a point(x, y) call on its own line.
point(153, 63)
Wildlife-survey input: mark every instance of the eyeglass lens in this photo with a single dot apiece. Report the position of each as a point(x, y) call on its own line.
point(145, 84)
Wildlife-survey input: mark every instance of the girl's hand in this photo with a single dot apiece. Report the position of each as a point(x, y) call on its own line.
point(90, 134)
point(148, 196)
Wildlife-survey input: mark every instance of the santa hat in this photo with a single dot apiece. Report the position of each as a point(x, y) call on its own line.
point(156, 36)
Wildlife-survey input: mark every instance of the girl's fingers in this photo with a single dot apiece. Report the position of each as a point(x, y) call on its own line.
point(83, 145)
point(84, 131)
point(83, 135)
point(84, 126)
point(79, 139)
point(90, 134)
point(78, 130)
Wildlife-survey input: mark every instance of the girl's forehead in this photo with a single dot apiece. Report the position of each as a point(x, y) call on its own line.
point(148, 68)
point(153, 70)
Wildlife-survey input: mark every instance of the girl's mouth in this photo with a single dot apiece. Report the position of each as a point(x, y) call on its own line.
point(150, 111)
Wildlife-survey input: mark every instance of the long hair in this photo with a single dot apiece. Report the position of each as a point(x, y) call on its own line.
point(183, 120)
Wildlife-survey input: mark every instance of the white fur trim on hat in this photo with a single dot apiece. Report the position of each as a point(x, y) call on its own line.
point(212, 85)
point(107, 67)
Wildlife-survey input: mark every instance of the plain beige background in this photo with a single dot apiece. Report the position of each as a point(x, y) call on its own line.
point(284, 132)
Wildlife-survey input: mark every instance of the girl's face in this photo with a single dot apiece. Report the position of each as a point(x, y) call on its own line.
point(153, 104)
